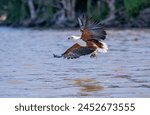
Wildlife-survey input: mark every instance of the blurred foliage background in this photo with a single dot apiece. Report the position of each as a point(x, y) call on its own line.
point(64, 13)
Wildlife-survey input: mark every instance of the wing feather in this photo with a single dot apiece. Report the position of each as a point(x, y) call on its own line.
point(79, 52)
point(76, 51)
point(91, 29)
point(75, 46)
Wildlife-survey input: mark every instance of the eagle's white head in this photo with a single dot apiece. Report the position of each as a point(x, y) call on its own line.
point(77, 39)
point(74, 38)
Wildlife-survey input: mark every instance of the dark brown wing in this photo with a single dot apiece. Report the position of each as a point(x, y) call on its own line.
point(79, 52)
point(65, 54)
point(76, 51)
point(91, 29)
point(75, 46)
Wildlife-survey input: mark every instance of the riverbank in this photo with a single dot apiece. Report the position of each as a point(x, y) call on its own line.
point(63, 14)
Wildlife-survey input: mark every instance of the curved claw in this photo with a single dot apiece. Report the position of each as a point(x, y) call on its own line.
point(93, 55)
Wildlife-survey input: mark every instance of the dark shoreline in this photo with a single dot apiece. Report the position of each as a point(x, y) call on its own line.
point(73, 28)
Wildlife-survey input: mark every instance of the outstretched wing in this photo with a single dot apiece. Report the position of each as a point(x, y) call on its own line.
point(76, 51)
point(91, 29)
point(75, 46)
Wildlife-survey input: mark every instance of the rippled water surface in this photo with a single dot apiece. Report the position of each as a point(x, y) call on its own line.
point(28, 69)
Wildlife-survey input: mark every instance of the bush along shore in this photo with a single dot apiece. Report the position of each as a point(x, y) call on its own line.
point(64, 13)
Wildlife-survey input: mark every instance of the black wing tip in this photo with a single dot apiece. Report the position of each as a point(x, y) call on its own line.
point(71, 56)
point(57, 56)
point(65, 57)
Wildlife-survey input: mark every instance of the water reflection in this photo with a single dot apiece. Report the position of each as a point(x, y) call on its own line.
point(87, 86)
point(15, 82)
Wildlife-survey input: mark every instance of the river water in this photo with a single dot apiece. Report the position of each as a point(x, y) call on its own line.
point(28, 69)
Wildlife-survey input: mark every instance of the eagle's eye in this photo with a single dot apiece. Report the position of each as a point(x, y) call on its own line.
point(70, 37)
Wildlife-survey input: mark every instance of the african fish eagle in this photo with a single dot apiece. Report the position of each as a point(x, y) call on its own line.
point(92, 35)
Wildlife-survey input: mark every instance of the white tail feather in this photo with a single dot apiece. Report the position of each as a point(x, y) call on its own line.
point(104, 49)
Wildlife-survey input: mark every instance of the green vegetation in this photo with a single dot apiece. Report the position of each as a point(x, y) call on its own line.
point(119, 4)
point(15, 9)
point(104, 11)
point(62, 12)
point(99, 12)
point(16, 12)
point(133, 7)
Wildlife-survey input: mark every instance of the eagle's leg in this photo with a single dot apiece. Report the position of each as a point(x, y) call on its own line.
point(93, 55)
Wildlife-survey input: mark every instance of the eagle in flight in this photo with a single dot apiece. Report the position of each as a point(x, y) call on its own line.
point(91, 38)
